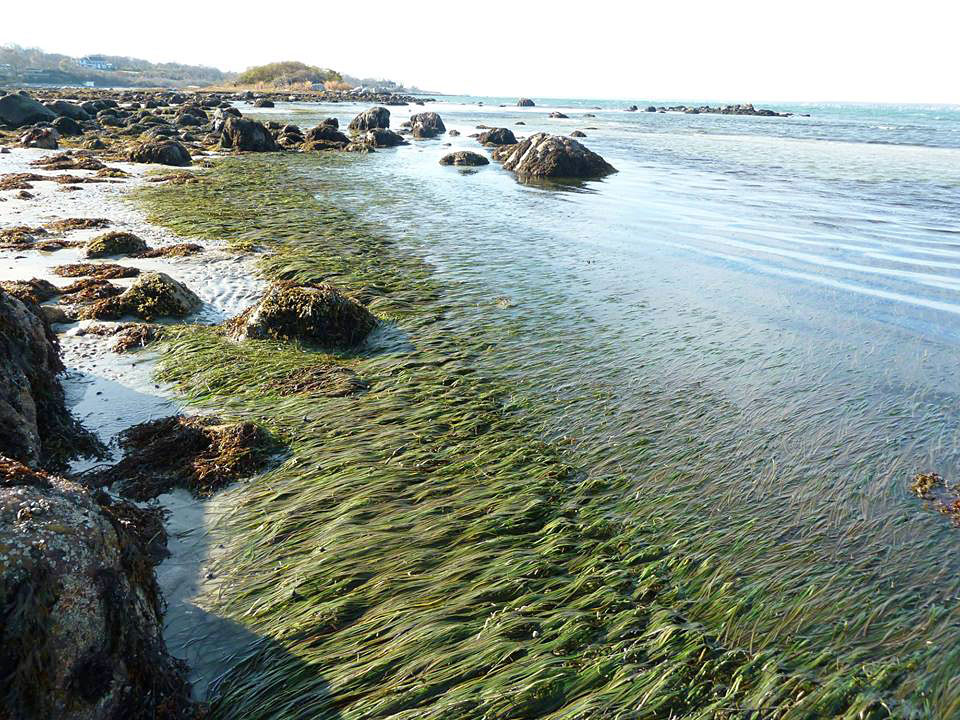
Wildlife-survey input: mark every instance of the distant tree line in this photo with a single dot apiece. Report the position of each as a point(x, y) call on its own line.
point(286, 74)
point(18, 64)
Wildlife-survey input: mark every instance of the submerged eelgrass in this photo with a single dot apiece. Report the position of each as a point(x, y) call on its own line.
point(424, 552)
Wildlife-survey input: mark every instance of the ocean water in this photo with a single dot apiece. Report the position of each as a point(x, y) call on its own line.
point(755, 322)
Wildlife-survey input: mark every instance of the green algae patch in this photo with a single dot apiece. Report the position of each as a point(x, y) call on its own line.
point(425, 550)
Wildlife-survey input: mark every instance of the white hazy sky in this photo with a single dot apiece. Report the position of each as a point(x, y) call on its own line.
point(727, 50)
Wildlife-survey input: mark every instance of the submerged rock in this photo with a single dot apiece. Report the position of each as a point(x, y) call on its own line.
point(18, 110)
point(35, 427)
point(115, 243)
point(318, 314)
point(551, 156)
point(242, 134)
point(82, 630)
point(375, 117)
point(497, 136)
point(152, 295)
point(200, 454)
point(162, 152)
point(464, 157)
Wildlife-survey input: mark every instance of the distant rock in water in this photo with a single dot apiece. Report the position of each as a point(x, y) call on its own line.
point(375, 117)
point(497, 136)
point(427, 125)
point(243, 134)
point(632, 108)
point(318, 314)
point(382, 138)
point(578, 134)
point(19, 109)
point(263, 103)
point(559, 116)
point(464, 157)
point(551, 156)
point(327, 134)
point(454, 133)
point(525, 102)
point(81, 636)
point(162, 152)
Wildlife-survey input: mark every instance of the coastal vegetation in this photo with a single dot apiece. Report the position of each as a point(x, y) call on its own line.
point(288, 73)
point(426, 550)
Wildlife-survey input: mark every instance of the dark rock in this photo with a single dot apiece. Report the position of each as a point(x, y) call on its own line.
point(551, 156)
point(454, 133)
point(327, 133)
point(382, 138)
point(464, 157)
point(375, 117)
point(162, 152)
point(18, 110)
point(427, 125)
point(244, 134)
point(67, 126)
point(497, 136)
point(331, 121)
point(68, 109)
point(525, 102)
point(651, 108)
point(632, 108)
point(559, 116)
point(263, 103)
point(35, 427)
point(318, 314)
point(578, 134)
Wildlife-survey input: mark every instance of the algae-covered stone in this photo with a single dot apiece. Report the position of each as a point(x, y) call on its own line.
point(81, 636)
point(161, 152)
point(152, 296)
point(115, 243)
point(319, 314)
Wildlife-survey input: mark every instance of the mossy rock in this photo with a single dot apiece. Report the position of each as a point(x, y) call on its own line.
point(152, 296)
point(318, 314)
point(115, 243)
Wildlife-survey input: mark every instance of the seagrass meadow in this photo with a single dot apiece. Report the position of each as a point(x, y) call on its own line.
point(464, 526)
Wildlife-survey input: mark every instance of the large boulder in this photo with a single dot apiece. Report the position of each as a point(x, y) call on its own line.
point(71, 110)
point(162, 152)
point(464, 157)
point(382, 138)
point(115, 243)
point(35, 427)
point(525, 102)
point(427, 125)
point(551, 156)
point(263, 103)
point(242, 134)
point(18, 110)
point(319, 314)
point(375, 117)
point(151, 296)
point(497, 136)
point(81, 616)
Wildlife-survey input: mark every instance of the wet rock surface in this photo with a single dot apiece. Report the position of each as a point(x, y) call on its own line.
point(151, 296)
point(464, 157)
point(375, 117)
point(551, 156)
point(318, 314)
point(497, 136)
point(35, 426)
point(242, 134)
point(163, 152)
point(81, 616)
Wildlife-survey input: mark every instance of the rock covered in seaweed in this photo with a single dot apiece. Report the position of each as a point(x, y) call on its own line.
point(115, 243)
point(318, 314)
point(152, 295)
point(243, 134)
point(464, 157)
point(161, 152)
point(200, 454)
point(375, 117)
point(551, 156)
point(325, 133)
point(82, 630)
point(382, 138)
point(35, 427)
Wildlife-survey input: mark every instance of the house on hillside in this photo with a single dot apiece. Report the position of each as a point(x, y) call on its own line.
point(95, 62)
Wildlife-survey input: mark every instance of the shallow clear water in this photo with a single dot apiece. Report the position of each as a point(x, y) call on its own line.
point(771, 304)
